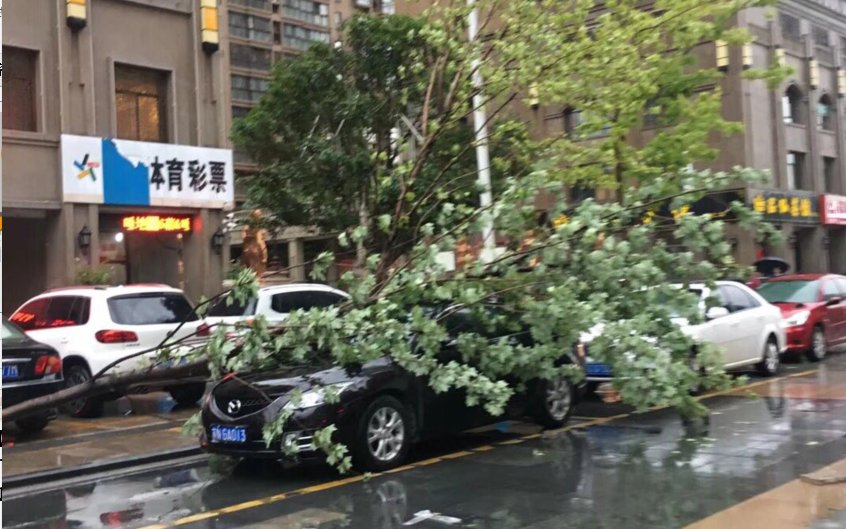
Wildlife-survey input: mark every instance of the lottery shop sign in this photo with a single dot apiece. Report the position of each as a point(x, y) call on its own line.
point(797, 207)
point(135, 173)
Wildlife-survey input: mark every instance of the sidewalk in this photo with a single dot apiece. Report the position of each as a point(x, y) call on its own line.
point(70, 447)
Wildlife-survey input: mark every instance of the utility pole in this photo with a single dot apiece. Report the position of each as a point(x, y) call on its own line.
point(480, 122)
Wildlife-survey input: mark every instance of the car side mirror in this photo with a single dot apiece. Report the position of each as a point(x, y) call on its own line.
point(833, 300)
point(716, 312)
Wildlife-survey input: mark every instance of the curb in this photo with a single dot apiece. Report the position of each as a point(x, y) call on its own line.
point(45, 476)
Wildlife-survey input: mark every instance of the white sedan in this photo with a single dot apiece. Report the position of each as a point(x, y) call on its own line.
point(747, 328)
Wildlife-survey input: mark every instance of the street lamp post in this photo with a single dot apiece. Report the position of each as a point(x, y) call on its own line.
point(480, 122)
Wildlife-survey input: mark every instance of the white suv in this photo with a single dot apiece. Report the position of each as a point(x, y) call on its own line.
point(92, 327)
point(275, 303)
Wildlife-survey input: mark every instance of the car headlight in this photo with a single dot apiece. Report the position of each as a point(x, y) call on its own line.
point(798, 318)
point(317, 396)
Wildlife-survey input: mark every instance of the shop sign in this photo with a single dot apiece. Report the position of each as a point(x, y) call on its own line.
point(156, 224)
point(134, 173)
point(833, 209)
point(798, 207)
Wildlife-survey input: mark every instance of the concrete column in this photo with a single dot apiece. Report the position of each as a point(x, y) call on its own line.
point(296, 259)
point(814, 162)
point(61, 247)
point(93, 219)
point(837, 250)
point(779, 174)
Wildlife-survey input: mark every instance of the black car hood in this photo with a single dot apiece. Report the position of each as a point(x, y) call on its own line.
point(279, 382)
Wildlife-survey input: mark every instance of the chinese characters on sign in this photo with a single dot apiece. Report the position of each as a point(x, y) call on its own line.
point(156, 224)
point(833, 208)
point(122, 172)
point(800, 207)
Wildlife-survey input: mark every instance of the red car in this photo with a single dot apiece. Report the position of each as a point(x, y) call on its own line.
point(814, 310)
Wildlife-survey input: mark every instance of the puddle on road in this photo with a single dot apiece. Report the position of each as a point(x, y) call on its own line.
point(640, 473)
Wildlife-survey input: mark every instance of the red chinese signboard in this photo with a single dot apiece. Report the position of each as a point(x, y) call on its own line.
point(833, 209)
point(156, 224)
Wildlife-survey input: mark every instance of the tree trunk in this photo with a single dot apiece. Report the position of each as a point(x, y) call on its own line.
point(107, 384)
point(361, 245)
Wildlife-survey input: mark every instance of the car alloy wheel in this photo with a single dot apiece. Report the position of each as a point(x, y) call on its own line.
point(385, 434)
point(85, 407)
point(818, 345)
point(770, 362)
point(559, 398)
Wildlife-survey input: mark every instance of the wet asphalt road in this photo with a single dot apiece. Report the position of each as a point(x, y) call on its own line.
point(638, 471)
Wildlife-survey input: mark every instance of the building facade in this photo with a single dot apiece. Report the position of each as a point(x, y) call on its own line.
point(796, 132)
point(115, 143)
point(263, 33)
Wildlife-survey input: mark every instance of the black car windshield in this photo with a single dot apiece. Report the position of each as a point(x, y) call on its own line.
point(222, 310)
point(10, 332)
point(795, 291)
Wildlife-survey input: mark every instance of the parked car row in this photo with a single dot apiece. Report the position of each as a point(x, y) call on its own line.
point(382, 408)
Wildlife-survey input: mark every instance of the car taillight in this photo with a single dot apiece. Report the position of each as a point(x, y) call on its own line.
point(203, 330)
point(48, 365)
point(116, 336)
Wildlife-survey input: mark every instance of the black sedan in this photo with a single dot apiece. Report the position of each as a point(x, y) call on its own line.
point(382, 410)
point(30, 370)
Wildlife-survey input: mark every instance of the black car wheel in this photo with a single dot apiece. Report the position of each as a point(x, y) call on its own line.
point(771, 359)
point(556, 401)
point(90, 407)
point(33, 424)
point(383, 436)
point(819, 346)
point(186, 396)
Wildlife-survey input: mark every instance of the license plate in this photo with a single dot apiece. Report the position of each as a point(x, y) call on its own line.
point(228, 434)
point(10, 372)
point(598, 370)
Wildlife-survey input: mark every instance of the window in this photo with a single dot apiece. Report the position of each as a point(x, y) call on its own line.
point(49, 313)
point(820, 36)
point(255, 4)
point(339, 19)
point(830, 174)
point(841, 285)
point(388, 7)
point(240, 112)
point(308, 11)
point(249, 27)
point(302, 38)
point(141, 103)
point(735, 299)
point(580, 192)
point(790, 27)
point(796, 171)
point(572, 121)
point(223, 309)
point(19, 89)
point(248, 88)
point(791, 105)
point(830, 290)
point(291, 301)
point(825, 115)
point(10, 332)
point(249, 57)
point(151, 309)
point(798, 291)
point(277, 33)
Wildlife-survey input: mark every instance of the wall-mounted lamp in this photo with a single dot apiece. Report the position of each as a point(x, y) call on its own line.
point(778, 56)
point(534, 97)
point(814, 73)
point(748, 55)
point(83, 238)
point(217, 241)
point(209, 26)
point(77, 16)
point(722, 55)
